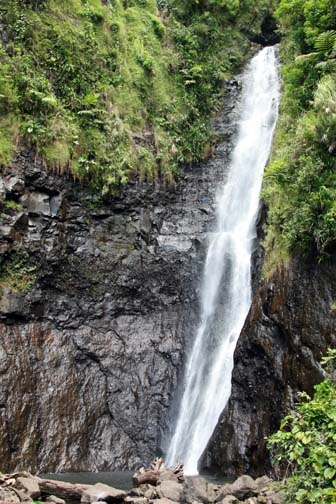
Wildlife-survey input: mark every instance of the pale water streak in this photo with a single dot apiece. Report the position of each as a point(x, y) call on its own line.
point(226, 288)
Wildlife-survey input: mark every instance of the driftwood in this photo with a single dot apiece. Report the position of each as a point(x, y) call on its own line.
point(26, 485)
point(63, 490)
point(153, 473)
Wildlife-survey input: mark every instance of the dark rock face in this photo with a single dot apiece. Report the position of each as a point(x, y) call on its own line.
point(290, 325)
point(269, 32)
point(91, 354)
point(98, 303)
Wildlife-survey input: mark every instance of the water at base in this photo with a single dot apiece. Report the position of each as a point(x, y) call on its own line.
point(226, 288)
point(116, 479)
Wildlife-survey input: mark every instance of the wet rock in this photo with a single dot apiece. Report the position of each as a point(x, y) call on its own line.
point(172, 243)
point(2, 190)
point(120, 312)
point(11, 302)
point(14, 185)
point(269, 34)
point(37, 203)
point(12, 229)
point(289, 328)
point(104, 330)
point(6, 232)
point(145, 225)
point(20, 221)
point(55, 205)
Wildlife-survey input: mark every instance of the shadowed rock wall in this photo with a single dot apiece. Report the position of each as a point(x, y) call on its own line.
point(91, 354)
point(290, 325)
point(94, 331)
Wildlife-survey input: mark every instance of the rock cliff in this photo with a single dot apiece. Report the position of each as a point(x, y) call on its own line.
point(98, 302)
point(90, 354)
point(291, 323)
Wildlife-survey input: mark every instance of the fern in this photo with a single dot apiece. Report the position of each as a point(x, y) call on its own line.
point(325, 95)
point(333, 52)
point(326, 42)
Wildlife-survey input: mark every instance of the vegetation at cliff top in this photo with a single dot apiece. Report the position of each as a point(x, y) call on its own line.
point(305, 446)
point(300, 183)
point(110, 90)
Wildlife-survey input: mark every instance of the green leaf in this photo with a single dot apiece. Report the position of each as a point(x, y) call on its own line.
point(306, 439)
point(329, 472)
point(300, 495)
point(325, 41)
point(332, 462)
point(332, 414)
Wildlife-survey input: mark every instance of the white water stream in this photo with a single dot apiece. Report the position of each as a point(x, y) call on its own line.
point(226, 288)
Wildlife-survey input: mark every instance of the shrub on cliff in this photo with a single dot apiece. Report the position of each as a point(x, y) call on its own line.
point(300, 183)
point(109, 90)
point(305, 446)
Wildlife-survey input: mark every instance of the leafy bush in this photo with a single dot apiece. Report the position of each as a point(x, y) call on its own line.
point(16, 270)
point(300, 183)
point(305, 446)
point(90, 84)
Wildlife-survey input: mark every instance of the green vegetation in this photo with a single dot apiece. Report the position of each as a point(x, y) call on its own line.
point(12, 205)
point(305, 446)
point(112, 90)
point(300, 183)
point(17, 271)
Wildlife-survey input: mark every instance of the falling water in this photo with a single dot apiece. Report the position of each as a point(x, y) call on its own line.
point(226, 288)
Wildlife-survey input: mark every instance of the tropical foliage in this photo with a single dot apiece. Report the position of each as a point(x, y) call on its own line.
point(300, 183)
point(110, 90)
point(305, 446)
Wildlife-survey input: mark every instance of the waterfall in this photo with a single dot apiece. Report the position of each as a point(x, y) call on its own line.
point(226, 288)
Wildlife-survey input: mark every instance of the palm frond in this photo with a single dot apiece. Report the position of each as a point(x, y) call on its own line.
point(326, 42)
